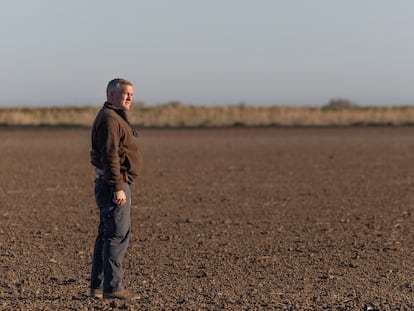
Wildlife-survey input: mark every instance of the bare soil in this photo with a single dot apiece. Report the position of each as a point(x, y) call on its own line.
point(223, 219)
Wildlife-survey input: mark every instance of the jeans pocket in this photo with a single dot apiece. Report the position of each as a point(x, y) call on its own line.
point(103, 194)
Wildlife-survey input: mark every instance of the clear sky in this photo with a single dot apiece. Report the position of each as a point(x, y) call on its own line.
point(290, 52)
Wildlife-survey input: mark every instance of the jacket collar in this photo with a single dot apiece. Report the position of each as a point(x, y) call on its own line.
point(111, 106)
point(121, 112)
point(123, 115)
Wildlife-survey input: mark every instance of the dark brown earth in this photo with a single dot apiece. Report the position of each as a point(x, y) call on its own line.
point(233, 219)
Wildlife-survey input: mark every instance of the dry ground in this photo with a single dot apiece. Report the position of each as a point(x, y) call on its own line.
point(234, 219)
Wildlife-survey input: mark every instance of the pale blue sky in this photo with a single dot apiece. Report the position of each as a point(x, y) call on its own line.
point(291, 52)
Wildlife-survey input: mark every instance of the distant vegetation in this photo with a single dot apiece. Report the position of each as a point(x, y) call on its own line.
point(338, 112)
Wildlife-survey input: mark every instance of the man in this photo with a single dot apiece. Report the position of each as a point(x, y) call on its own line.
point(117, 159)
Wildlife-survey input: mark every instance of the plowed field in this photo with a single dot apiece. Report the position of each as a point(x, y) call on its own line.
point(233, 219)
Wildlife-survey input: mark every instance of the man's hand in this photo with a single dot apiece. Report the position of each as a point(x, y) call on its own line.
point(119, 197)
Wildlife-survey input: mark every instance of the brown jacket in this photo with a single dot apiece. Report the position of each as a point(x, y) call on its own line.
point(115, 147)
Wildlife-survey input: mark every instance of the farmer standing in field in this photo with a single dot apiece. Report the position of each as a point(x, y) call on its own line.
point(117, 158)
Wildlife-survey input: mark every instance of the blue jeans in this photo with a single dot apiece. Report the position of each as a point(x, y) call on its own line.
point(112, 240)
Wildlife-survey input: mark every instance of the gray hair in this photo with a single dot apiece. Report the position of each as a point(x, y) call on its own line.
point(116, 84)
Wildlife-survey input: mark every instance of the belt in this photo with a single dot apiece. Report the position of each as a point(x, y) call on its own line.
point(102, 177)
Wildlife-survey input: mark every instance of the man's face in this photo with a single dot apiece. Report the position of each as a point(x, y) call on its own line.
point(122, 98)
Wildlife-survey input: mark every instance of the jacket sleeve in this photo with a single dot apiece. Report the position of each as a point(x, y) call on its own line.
point(110, 134)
